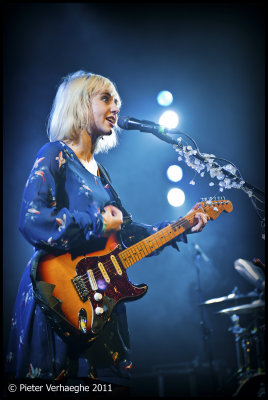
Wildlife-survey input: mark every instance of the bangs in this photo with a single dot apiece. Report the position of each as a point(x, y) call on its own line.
point(102, 84)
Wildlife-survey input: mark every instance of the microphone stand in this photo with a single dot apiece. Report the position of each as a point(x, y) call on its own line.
point(159, 132)
point(168, 139)
point(206, 331)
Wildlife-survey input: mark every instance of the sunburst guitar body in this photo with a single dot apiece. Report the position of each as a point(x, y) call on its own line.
point(84, 291)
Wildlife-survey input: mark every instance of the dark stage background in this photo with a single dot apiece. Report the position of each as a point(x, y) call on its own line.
point(211, 57)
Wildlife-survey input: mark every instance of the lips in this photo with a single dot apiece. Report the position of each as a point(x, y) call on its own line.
point(111, 120)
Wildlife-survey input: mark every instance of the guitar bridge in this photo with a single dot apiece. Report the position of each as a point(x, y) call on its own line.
point(80, 287)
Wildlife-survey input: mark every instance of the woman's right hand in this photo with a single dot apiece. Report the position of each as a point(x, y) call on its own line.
point(112, 219)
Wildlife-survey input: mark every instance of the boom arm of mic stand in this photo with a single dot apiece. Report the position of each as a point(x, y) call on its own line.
point(165, 137)
point(168, 139)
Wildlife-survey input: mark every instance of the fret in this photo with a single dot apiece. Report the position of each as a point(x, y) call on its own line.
point(148, 245)
point(124, 259)
point(150, 241)
point(134, 253)
point(131, 257)
point(158, 240)
point(170, 234)
point(147, 248)
point(143, 249)
point(140, 251)
point(162, 238)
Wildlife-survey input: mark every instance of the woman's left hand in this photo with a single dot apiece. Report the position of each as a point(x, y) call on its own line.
point(200, 220)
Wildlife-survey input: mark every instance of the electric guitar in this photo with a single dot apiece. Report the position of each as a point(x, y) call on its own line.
point(83, 292)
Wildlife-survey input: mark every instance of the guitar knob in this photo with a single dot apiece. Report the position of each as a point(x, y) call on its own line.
point(99, 310)
point(97, 296)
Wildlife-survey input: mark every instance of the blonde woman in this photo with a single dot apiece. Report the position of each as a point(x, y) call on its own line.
point(69, 206)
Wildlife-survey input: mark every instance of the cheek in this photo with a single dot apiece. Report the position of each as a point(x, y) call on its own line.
point(96, 113)
point(93, 114)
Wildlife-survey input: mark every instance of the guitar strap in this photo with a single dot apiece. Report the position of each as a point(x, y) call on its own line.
point(106, 180)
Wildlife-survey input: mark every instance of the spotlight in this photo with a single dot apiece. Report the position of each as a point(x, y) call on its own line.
point(174, 173)
point(176, 197)
point(169, 119)
point(164, 98)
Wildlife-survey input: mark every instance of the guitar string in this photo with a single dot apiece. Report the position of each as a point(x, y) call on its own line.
point(97, 271)
point(159, 235)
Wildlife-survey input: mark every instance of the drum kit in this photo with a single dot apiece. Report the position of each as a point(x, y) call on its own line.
point(249, 339)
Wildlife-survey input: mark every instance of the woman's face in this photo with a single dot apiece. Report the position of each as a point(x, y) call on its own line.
point(104, 110)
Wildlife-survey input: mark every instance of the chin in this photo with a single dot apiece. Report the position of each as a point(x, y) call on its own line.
point(106, 142)
point(105, 133)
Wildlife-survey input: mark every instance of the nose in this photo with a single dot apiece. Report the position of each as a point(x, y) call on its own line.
point(115, 108)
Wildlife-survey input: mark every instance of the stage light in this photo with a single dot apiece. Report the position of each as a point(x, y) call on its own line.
point(174, 173)
point(176, 197)
point(164, 98)
point(169, 119)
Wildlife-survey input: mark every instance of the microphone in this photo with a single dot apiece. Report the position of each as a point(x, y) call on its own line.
point(129, 123)
point(200, 252)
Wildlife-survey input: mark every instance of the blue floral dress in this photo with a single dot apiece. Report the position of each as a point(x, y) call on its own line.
point(61, 211)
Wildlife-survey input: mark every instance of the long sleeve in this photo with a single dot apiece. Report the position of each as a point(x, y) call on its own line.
point(45, 217)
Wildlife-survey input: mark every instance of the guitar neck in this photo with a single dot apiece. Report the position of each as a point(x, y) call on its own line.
point(146, 246)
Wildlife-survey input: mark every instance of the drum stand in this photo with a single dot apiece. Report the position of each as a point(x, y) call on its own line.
point(246, 341)
point(206, 331)
point(241, 346)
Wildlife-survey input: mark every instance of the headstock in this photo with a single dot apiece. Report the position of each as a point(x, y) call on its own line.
point(214, 206)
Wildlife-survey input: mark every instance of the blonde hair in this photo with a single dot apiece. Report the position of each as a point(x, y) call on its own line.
point(70, 112)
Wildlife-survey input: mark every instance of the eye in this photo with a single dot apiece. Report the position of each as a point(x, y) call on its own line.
point(105, 98)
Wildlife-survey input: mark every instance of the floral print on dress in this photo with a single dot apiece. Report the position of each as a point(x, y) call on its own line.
point(61, 160)
point(32, 211)
point(84, 190)
point(51, 199)
point(61, 222)
point(36, 175)
point(28, 296)
point(41, 173)
point(21, 342)
point(33, 372)
point(61, 210)
point(37, 161)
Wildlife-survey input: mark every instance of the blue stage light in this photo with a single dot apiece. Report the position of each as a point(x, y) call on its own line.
point(174, 173)
point(164, 98)
point(176, 197)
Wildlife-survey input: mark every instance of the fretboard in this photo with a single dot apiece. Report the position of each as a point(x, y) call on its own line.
point(146, 246)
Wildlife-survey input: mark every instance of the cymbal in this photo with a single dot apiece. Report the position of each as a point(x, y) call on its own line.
point(255, 306)
point(230, 297)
